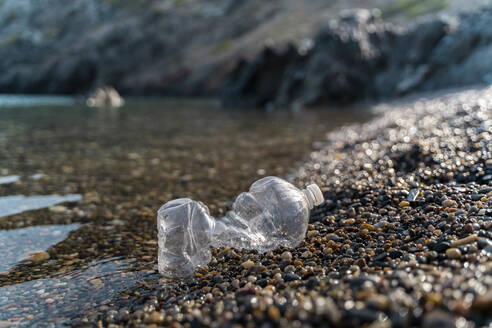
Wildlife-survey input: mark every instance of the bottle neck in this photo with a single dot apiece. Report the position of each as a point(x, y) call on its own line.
point(313, 195)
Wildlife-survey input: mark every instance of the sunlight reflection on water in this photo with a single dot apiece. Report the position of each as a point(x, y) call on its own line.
point(17, 244)
point(33, 100)
point(59, 299)
point(17, 204)
point(9, 179)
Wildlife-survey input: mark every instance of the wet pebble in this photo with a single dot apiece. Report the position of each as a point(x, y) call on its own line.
point(453, 253)
point(291, 277)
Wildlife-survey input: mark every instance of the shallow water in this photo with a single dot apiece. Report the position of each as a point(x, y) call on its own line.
point(126, 163)
point(9, 179)
point(62, 299)
point(34, 100)
point(18, 244)
point(10, 205)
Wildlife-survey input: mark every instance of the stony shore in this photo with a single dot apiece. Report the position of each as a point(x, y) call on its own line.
point(403, 240)
point(75, 260)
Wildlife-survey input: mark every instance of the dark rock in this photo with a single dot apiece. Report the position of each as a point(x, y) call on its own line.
point(291, 277)
point(485, 190)
point(439, 247)
point(395, 254)
point(105, 97)
point(484, 242)
point(381, 257)
point(476, 197)
point(218, 278)
point(262, 282)
point(468, 228)
point(357, 317)
point(245, 291)
point(360, 281)
point(358, 56)
point(72, 47)
point(438, 319)
point(312, 282)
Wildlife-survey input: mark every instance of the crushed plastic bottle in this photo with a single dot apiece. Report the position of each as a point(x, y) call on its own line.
point(272, 213)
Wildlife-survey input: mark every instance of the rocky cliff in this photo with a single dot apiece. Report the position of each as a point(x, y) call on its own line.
point(191, 47)
point(138, 46)
point(178, 47)
point(359, 56)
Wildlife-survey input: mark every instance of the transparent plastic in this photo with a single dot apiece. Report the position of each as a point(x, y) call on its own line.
point(272, 213)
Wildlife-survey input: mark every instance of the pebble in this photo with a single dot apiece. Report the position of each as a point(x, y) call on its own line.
point(449, 203)
point(290, 277)
point(39, 257)
point(412, 195)
point(468, 228)
point(483, 302)
point(248, 264)
point(439, 319)
point(58, 209)
point(369, 258)
point(485, 190)
point(312, 233)
point(441, 247)
point(453, 253)
point(273, 313)
point(395, 254)
point(464, 241)
point(476, 197)
point(484, 242)
point(154, 317)
point(306, 254)
point(286, 256)
point(378, 302)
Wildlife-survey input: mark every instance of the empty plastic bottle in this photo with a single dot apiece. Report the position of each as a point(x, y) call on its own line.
point(272, 213)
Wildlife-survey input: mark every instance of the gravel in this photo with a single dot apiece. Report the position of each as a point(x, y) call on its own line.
point(400, 242)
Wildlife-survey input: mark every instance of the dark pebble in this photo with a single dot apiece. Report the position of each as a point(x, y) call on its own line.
point(262, 282)
point(395, 254)
point(476, 197)
point(245, 291)
point(439, 319)
point(381, 256)
point(290, 277)
point(356, 317)
point(440, 247)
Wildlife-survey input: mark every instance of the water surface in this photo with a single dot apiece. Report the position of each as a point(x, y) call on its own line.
point(9, 179)
point(18, 244)
point(17, 204)
point(125, 163)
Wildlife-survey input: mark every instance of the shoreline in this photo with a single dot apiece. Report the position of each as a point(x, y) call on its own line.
point(403, 240)
point(124, 172)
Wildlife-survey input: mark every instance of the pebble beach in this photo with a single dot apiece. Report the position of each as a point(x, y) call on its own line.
point(404, 238)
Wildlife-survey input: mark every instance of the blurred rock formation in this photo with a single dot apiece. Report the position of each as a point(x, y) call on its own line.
point(105, 97)
point(294, 53)
point(359, 56)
